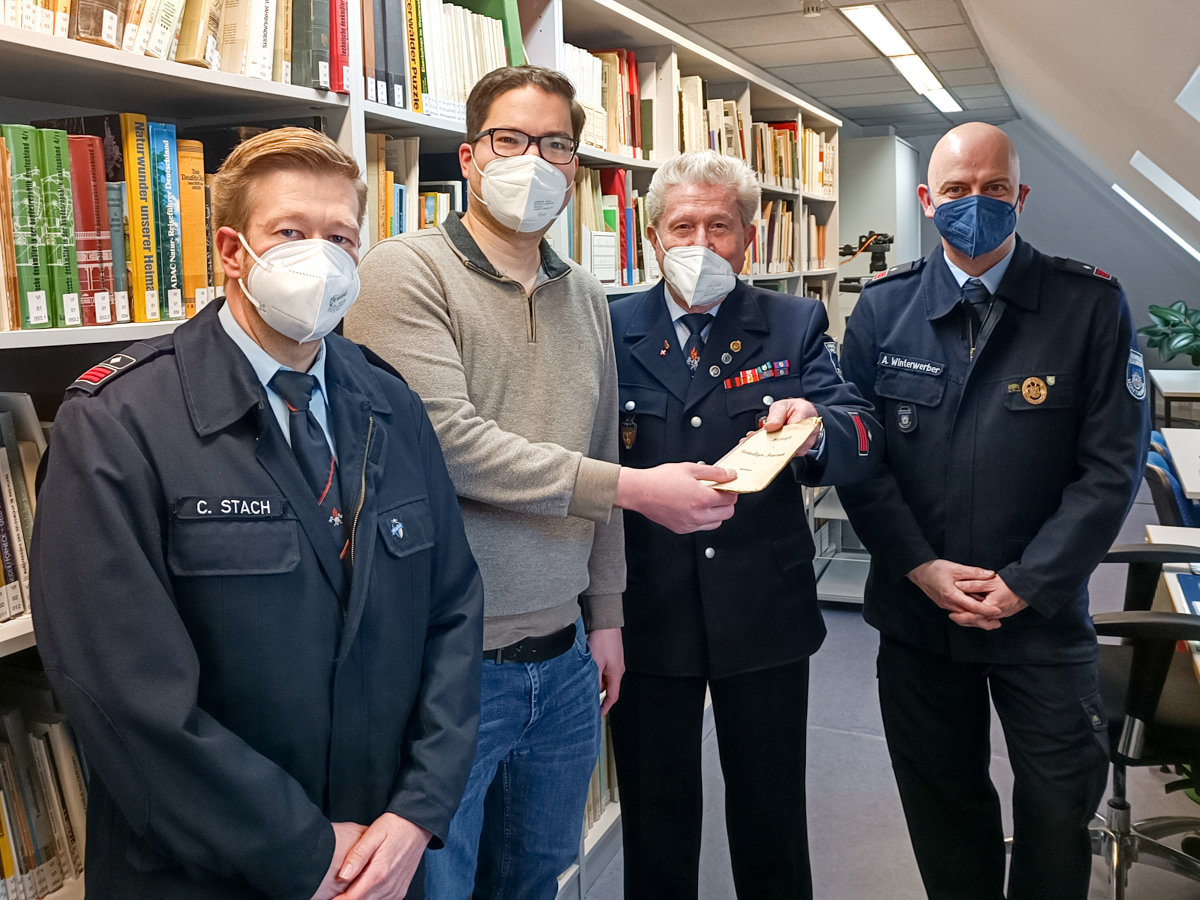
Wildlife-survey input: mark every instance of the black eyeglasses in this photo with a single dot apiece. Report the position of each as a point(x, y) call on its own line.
point(555, 148)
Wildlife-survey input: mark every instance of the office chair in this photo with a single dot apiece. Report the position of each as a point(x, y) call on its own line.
point(1170, 503)
point(1152, 697)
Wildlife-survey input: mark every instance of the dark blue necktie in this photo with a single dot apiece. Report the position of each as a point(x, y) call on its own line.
point(312, 449)
point(695, 323)
point(976, 299)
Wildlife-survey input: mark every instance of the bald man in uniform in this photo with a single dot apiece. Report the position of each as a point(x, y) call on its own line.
point(1013, 396)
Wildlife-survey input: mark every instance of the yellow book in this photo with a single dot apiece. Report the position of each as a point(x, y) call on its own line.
point(389, 193)
point(140, 244)
point(195, 235)
point(199, 33)
point(8, 863)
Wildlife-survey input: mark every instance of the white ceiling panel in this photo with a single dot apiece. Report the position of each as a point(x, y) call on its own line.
point(949, 60)
point(979, 90)
point(831, 90)
point(984, 102)
point(948, 37)
point(691, 11)
point(830, 71)
point(870, 101)
point(746, 31)
point(925, 13)
point(837, 51)
point(962, 77)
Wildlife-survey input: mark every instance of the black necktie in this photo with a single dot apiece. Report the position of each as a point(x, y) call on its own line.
point(976, 299)
point(695, 323)
point(312, 449)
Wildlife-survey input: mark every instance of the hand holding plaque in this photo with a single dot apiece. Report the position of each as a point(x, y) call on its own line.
point(762, 456)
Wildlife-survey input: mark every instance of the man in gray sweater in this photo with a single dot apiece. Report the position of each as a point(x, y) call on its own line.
point(511, 350)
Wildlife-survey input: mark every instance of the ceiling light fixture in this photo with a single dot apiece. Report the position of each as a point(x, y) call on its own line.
point(1166, 183)
point(891, 43)
point(1157, 221)
point(812, 8)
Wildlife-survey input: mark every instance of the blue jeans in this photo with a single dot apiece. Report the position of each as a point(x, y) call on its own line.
point(519, 823)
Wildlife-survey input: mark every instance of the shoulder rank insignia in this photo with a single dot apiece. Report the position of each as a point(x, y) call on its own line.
point(903, 268)
point(1079, 268)
point(100, 374)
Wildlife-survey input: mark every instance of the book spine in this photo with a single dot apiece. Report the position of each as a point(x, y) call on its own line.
point(165, 172)
point(120, 264)
point(191, 212)
point(8, 860)
point(167, 21)
point(71, 778)
point(139, 233)
point(339, 46)
point(141, 40)
point(281, 62)
point(8, 557)
point(12, 513)
point(41, 766)
point(310, 43)
point(210, 285)
point(133, 16)
point(48, 875)
point(54, 776)
point(93, 242)
point(263, 35)
point(33, 283)
point(8, 435)
point(18, 822)
point(58, 228)
point(417, 92)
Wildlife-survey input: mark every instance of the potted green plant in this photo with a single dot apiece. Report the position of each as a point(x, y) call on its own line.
point(1175, 330)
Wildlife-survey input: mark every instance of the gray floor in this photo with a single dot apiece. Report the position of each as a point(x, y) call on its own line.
point(860, 848)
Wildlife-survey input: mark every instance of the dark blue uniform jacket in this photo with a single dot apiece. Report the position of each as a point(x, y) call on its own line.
point(232, 693)
point(752, 603)
point(977, 471)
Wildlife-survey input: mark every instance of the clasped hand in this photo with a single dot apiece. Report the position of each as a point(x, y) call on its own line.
point(974, 597)
point(375, 863)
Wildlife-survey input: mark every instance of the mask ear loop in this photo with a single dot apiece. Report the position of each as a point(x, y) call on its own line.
point(259, 262)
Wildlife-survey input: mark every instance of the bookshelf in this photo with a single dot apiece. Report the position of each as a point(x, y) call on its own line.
point(42, 76)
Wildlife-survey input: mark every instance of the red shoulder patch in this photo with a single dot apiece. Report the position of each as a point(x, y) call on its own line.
point(1100, 273)
point(96, 374)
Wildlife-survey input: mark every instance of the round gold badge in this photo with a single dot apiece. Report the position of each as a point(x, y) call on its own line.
point(1034, 390)
point(735, 346)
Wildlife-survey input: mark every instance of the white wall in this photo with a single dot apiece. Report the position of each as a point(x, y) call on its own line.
point(877, 192)
point(1072, 212)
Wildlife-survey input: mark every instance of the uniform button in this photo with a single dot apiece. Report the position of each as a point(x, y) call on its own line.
point(726, 358)
point(696, 422)
point(630, 405)
point(715, 371)
point(709, 552)
point(768, 400)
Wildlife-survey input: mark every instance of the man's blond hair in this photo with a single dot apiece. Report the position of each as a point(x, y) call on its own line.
point(279, 150)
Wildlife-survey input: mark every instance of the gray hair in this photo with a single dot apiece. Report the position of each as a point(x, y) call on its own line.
point(704, 167)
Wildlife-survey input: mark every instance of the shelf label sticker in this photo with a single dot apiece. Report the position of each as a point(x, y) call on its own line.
point(62, 22)
point(121, 300)
point(211, 56)
point(39, 311)
point(370, 88)
point(71, 312)
point(175, 303)
point(218, 291)
point(287, 72)
point(323, 74)
point(103, 308)
point(346, 82)
point(381, 91)
point(152, 306)
point(108, 28)
point(201, 298)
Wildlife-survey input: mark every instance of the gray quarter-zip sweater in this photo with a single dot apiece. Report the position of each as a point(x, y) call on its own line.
point(522, 391)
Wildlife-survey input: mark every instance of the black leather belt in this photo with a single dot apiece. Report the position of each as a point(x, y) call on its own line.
point(534, 649)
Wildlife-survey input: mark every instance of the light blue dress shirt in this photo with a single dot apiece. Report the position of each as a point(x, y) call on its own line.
point(991, 278)
point(265, 366)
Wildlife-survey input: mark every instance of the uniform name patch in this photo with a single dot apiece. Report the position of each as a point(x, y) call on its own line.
point(229, 507)
point(831, 349)
point(911, 364)
point(1135, 376)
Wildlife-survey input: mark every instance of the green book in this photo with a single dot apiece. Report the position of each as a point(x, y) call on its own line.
point(58, 228)
point(33, 280)
point(164, 160)
point(310, 43)
point(8, 437)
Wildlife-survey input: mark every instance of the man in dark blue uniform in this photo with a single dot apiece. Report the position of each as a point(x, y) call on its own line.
point(702, 360)
point(1013, 396)
point(252, 589)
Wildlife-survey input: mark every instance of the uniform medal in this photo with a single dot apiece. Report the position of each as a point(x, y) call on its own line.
point(628, 432)
point(1034, 390)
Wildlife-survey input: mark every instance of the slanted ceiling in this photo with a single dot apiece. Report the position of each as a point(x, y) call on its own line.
point(1102, 77)
point(828, 59)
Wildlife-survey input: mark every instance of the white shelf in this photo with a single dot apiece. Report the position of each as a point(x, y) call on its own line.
point(818, 198)
point(76, 74)
point(772, 189)
point(100, 334)
point(844, 578)
point(16, 634)
point(830, 507)
point(72, 889)
point(778, 276)
point(596, 158)
point(381, 117)
point(620, 290)
point(821, 273)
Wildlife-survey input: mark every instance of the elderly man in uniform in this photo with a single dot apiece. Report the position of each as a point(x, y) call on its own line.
point(1012, 393)
point(268, 643)
point(703, 359)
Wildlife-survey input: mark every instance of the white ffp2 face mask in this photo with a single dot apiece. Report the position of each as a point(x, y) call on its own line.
point(301, 288)
point(697, 275)
point(524, 193)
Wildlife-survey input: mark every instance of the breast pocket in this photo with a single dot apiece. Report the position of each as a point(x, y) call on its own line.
point(407, 527)
point(757, 398)
point(910, 387)
point(405, 566)
point(643, 416)
point(221, 537)
point(1040, 392)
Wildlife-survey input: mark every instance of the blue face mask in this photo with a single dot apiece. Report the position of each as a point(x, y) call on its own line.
point(977, 224)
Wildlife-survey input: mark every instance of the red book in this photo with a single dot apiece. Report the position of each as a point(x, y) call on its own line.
point(635, 104)
point(339, 46)
point(612, 181)
point(93, 241)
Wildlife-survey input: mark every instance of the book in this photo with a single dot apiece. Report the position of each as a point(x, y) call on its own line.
point(402, 158)
point(8, 438)
point(20, 825)
point(120, 263)
point(281, 61)
point(416, 89)
point(58, 229)
point(98, 22)
point(140, 235)
point(70, 776)
point(262, 52)
point(13, 731)
point(145, 25)
point(18, 544)
point(10, 315)
point(8, 858)
point(210, 287)
point(169, 227)
point(25, 173)
point(10, 578)
point(167, 22)
point(65, 850)
point(339, 46)
point(194, 233)
point(199, 34)
point(310, 43)
point(387, 89)
point(93, 239)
